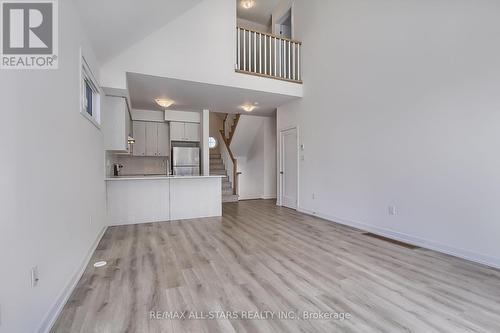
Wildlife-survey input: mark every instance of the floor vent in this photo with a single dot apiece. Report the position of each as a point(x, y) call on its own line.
point(393, 241)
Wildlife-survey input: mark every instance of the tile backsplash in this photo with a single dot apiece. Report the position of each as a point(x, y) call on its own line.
point(136, 165)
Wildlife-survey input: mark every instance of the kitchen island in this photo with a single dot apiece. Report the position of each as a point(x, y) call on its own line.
point(145, 199)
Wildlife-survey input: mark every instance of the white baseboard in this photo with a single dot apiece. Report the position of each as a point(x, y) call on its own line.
point(425, 243)
point(56, 309)
point(268, 197)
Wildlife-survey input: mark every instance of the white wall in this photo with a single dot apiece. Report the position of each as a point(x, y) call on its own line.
point(281, 9)
point(199, 45)
point(216, 120)
point(401, 107)
point(52, 182)
point(247, 24)
point(254, 146)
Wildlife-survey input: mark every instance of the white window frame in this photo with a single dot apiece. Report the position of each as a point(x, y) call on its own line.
point(86, 75)
point(216, 142)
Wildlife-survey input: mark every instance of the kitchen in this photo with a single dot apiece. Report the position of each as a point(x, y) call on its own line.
point(156, 167)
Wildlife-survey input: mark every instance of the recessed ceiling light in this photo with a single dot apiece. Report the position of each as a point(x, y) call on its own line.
point(248, 107)
point(247, 4)
point(164, 102)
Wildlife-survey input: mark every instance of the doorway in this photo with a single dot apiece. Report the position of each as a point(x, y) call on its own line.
point(289, 159)
point(283, 26)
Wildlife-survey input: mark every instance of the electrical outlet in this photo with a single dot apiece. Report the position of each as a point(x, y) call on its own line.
point(34, 277)
point(391, 210)
point(313, 196)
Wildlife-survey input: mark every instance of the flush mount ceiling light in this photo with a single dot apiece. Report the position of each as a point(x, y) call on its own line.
point(164, 102)
point(248, 107)
point(100, 264)
point(247, 4)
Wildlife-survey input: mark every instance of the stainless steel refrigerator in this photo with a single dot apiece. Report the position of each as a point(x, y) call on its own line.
point(186, 161)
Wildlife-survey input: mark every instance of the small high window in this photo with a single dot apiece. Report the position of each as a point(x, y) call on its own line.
point(212, 142)
point(90, 95)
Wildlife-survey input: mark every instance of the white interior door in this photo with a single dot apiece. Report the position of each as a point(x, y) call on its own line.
point(289, 169)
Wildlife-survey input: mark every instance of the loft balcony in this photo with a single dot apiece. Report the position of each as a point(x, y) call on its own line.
point(268, 55)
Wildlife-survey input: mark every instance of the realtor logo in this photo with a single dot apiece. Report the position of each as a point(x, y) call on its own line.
point(29, 34)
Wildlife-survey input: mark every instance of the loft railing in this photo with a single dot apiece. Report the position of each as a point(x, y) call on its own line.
point(268, 55)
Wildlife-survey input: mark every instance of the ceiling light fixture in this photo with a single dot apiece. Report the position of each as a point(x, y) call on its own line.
point(164, 102)
point(100, 264)
point(247, 4)
point(248, 107)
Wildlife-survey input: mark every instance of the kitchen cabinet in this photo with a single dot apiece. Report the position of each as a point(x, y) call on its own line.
point(151, 139)
point(163, 143)
point(180, 131)
point(116, 124)
point(139, 147)
point(192, 132)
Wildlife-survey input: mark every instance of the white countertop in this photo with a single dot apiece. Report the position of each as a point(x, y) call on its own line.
point(159, 177)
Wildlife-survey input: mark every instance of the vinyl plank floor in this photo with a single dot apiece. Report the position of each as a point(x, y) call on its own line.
point(263, 259)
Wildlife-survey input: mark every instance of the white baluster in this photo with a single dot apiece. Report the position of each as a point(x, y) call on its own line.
point(238, 63)
point(298, 63)
point(244, 50)
point(260, 53)
point(280, 51)
point(265, 54)
point(255, 52)
point(289, 60)
point(275, 55)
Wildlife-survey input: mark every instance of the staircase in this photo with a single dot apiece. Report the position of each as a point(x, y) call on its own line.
point(217, 168)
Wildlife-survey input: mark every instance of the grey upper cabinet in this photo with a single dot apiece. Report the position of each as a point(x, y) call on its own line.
point(139, 147)
point(180, 131)
point(116, 124)
point(176, 131)
point(163, 142)
point(151, 139)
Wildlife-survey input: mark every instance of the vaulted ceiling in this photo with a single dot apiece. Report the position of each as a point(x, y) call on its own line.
point(260, 13)
point(114, 25)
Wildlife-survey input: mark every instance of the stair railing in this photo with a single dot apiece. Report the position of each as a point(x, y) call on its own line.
point(230, 161)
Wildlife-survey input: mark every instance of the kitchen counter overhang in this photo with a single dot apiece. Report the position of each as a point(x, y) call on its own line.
point(145, 199)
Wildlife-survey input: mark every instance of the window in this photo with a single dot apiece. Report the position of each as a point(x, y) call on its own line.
point(90, 95)
point(212, 142)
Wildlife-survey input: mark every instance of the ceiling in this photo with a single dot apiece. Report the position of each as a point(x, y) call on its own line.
point(260, 13)
point(196, 96)
point(114, 25)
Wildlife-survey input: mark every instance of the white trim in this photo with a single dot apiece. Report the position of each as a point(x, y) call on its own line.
point(424, 243)
point(86, 72)
point(279, 201)
point(55, 310)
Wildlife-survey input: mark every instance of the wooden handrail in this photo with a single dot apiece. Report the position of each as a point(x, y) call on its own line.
point(235, 162)
point(233, 128)
point(271, 35)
